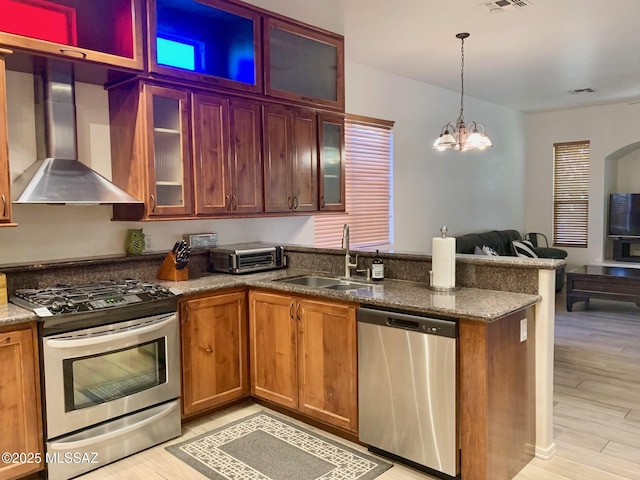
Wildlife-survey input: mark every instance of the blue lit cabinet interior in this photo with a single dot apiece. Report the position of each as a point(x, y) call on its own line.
point(331, 179)
point(208, 41)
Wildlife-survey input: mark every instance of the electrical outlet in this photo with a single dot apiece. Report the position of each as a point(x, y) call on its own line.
point(523, 330)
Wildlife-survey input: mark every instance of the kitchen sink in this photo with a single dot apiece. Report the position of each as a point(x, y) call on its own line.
point(325, 282)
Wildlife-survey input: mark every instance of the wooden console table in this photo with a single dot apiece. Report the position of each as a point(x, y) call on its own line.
point(610, 283)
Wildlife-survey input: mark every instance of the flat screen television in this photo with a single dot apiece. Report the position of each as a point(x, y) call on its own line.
point(624, 215)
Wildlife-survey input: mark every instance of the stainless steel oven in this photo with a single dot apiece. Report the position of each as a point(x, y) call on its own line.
point(111, 372)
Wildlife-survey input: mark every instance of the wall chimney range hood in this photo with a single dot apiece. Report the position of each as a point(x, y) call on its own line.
point(58, 177)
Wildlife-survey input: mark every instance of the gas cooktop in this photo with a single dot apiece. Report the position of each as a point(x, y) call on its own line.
point(89, 297)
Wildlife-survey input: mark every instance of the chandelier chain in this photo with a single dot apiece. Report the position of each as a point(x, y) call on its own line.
point(460, 118)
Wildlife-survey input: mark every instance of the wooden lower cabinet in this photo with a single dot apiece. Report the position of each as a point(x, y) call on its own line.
point(497, 397)
point(303, 356)
point(20, 410)
point(213, 332)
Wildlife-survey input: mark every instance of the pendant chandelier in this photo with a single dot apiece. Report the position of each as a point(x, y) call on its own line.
point(459, 135)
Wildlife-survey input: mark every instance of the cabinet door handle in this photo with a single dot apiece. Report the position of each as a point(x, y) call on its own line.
point(289, 203)
point(4, 205)
point(186, 315)
point(73, 53)
point(322, 204)
point(6, 340)
point(234, 202)
point(298, 311)
point(291, 310)
point(295, 203)
point(208, 349)
point(153, 203)
point(227, 201)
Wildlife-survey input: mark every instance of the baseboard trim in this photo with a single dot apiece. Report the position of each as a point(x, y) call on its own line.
point(546, 453)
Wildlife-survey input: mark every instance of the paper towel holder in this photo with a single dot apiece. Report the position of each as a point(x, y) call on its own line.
point(444, 290)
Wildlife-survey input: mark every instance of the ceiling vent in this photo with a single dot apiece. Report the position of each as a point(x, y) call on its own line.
point(583, 90)
point(505, 5)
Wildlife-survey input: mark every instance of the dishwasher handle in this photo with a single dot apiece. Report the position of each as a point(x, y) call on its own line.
point(416, 323)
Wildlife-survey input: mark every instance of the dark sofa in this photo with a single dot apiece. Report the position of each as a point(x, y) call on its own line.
point(500, 241)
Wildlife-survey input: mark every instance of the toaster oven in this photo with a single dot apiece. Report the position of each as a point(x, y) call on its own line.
point(246, 258)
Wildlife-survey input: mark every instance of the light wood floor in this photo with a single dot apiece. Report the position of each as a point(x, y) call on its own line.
point(596, 407)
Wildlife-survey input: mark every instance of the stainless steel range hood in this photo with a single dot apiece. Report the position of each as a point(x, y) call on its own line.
point(58, 177)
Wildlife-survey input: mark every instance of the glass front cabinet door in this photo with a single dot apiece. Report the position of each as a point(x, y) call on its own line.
point(331, 171)
point(169, 161)
point(303, 64)
point(210, 41)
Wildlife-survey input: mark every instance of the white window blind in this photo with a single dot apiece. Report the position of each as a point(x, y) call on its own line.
point(571, 194)
point(368, 183)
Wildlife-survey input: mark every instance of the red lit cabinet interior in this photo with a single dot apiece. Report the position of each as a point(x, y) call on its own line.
point(210, 41)
point(214, 351)
point(5, 179)
point(290, 159)
point(227, 159)
point(150, 147)
point(331, 171)
point(107, 32)
point(304, 64)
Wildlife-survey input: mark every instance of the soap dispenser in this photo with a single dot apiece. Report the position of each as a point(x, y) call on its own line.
point(377, 268)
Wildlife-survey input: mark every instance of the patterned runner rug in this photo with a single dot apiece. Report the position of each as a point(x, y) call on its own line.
point(264, 447)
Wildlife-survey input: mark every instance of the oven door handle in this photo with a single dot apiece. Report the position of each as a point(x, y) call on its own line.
point(92, 441)
point(157, 323)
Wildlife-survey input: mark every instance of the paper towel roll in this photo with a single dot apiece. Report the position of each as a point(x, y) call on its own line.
point(443, 262)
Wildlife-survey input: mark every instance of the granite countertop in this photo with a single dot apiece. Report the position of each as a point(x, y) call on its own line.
point(470, 303)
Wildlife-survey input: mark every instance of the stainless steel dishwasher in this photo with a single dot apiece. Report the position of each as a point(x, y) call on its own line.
point(407, 388)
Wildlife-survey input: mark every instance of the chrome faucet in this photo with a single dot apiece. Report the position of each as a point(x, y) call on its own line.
point(347, 258)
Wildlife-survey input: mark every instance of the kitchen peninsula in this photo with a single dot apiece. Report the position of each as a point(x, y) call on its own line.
point(496, 368)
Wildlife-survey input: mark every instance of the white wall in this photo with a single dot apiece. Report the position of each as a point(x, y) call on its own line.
point(609, 129)
point(467, 192)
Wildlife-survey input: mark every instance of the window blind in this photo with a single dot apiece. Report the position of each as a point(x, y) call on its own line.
point(368, 182)
point(571, 194)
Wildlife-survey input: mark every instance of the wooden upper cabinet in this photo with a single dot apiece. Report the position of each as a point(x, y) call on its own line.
point(214, 351)
point(331, 170)
point(290, 159)
point(246, 156)
point(97, 31)
point(151, 150)
point(303, 64)
point(5, 178)
point(227, 156)
point(209, 41)
point(212, 180)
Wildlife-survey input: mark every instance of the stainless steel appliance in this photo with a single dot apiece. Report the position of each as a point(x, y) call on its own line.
point(246, 258)
point(111, 371)
point(408, 389)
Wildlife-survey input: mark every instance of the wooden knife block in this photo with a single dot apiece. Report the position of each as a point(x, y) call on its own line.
point(168, 271)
